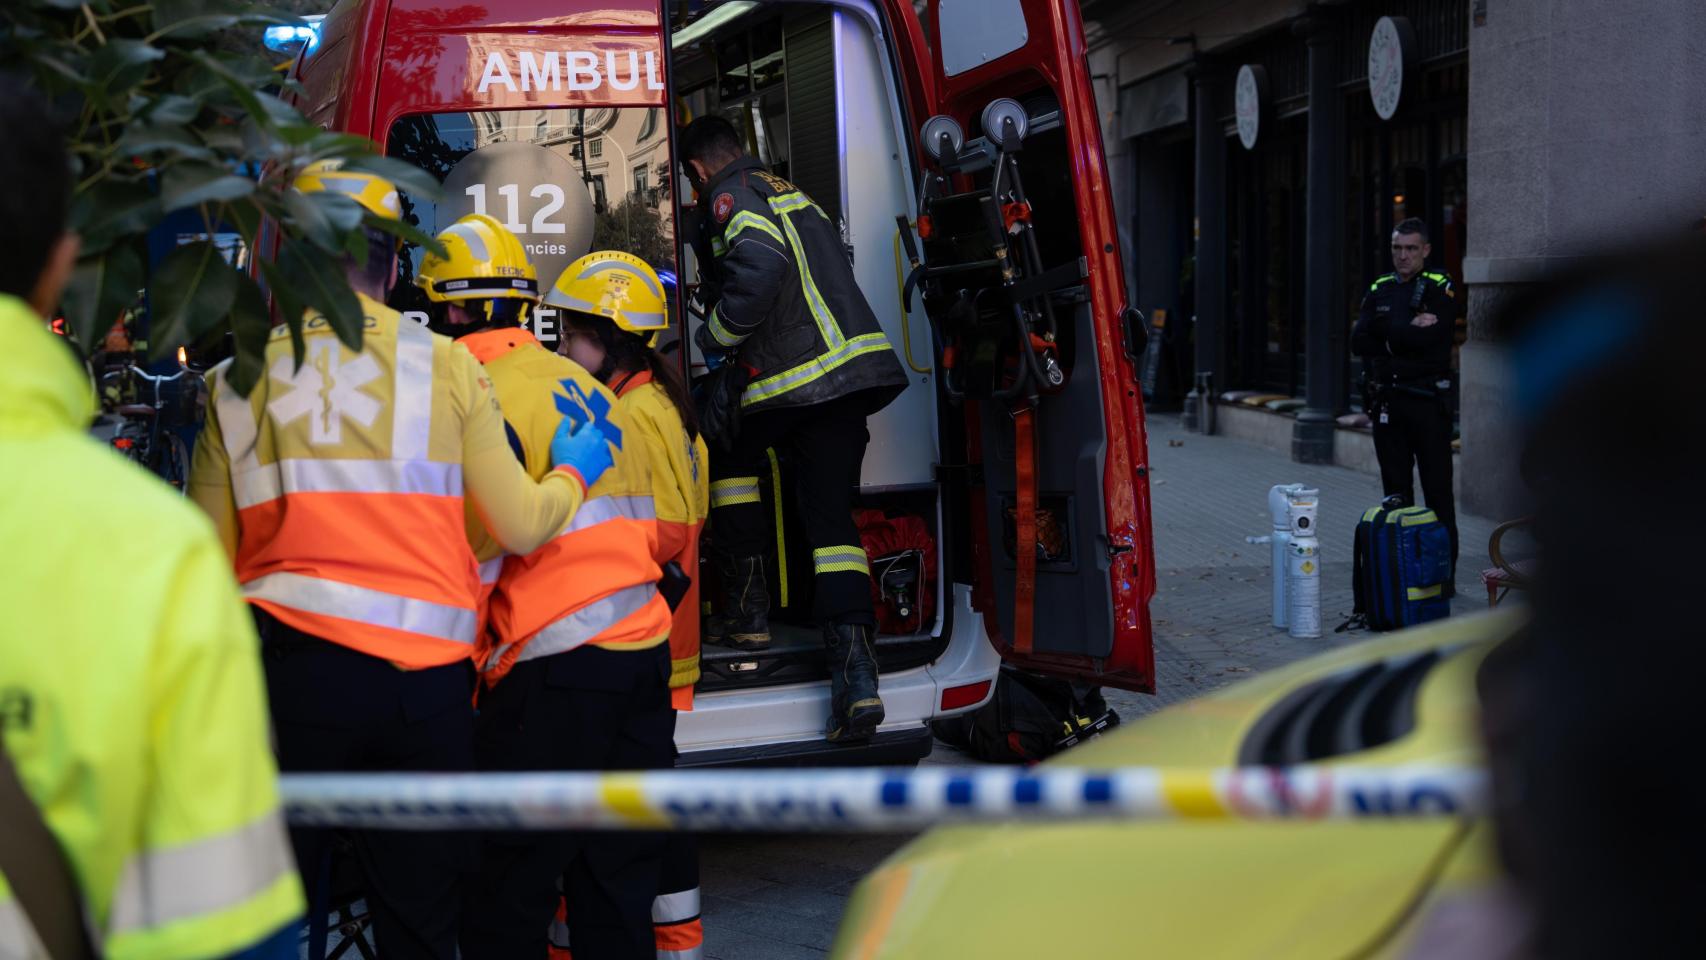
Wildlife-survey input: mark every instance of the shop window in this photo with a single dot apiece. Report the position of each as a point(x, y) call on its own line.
point(1451, 233)
point(1409, 194)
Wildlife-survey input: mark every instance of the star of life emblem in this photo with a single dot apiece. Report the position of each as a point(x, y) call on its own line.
point(327, 390)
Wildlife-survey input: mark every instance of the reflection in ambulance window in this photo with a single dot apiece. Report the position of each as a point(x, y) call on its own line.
point(565, 181)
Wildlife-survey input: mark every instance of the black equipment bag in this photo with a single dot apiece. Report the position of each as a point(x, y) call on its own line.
point(1030, 718)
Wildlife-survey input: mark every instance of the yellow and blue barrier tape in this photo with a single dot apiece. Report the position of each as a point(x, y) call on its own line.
point(873, 799)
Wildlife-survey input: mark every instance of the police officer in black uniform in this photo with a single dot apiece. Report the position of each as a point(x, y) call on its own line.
point(790, 317)
point(1404, 333)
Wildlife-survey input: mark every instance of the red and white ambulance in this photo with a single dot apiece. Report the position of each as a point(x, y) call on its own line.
point(962, 156)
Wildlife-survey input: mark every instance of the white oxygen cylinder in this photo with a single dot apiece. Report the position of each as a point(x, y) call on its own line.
point(1279, 509)
point(1303, 563)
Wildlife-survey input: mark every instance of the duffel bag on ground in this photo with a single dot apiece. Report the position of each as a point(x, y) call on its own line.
point(1402, 563)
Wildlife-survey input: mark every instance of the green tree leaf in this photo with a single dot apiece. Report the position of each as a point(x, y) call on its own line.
point(185, 87)
point(318, 278)
point(404, 175)
point(120, 65)
point(101, 288)
point(157, 139)
point(113, 210)
point(408, 233)
point(191, 292)
point(171, 108)
point(312, 221)
point(251, 328)
point(290, 306)
point(186, 185)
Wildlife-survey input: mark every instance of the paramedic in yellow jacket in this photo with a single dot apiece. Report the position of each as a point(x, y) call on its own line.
point(340, 485)
point(575, 670)
point(131, 703)
point(612, 309)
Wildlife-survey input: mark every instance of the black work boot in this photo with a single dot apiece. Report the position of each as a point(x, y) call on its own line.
point(855, 710)
point(745, 621)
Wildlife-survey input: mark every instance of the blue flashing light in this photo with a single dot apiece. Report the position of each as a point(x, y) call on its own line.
point(667, 278)
point(289, 38)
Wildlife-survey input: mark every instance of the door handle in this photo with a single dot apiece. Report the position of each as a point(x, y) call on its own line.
point(1136, 328)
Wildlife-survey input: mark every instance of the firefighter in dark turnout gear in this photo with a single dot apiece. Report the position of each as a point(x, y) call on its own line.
point(788, 312)
point(1404, 333)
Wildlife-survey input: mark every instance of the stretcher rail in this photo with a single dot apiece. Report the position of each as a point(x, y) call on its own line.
point(874, 800)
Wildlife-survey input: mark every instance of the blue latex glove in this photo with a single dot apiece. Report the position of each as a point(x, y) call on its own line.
point(583, 448)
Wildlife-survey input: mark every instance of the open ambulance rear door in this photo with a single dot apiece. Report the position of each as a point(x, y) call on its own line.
point(1070, 461)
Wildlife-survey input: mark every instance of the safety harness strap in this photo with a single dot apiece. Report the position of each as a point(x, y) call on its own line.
point(38, 872)
point(1025, 528)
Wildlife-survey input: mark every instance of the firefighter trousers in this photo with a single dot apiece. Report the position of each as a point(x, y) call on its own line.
point(1416, 439)
point(586, 709)
point(337, 710)
point(825, 447)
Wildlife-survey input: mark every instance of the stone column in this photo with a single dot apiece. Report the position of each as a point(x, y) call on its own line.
point(1209, 274)
point(1323, 291)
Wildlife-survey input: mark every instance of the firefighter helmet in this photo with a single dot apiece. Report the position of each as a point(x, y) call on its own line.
point(482, 260)
point(376, 194)
point(617, 286)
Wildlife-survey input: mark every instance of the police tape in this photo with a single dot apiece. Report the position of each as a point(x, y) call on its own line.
point(873, 799)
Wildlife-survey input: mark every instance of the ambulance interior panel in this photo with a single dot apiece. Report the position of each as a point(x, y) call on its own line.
point(827, 117)
point(812, 89)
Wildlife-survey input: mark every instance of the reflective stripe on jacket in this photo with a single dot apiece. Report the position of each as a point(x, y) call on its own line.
point(346, 477)
point(789, 302)
point(681, 494)
point(596, 581)
point(130, 683)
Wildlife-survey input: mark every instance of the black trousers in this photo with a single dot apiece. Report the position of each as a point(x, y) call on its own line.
point(588, 709)
point(334, 709)
point(1416, 439)
point(825, 443)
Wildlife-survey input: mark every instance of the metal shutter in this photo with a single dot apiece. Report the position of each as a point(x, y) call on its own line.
point(814, 126)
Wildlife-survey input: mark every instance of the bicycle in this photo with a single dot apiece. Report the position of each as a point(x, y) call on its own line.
point(142, 436)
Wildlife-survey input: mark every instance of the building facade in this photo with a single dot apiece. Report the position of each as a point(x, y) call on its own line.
point(1259, 170)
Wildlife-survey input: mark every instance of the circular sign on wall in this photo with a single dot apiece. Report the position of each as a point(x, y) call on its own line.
point(1251, 102)
point(533, 191)
point(1391, 55)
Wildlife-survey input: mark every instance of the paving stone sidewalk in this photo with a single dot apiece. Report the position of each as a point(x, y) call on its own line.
point(1212, 607)
point(780, 898)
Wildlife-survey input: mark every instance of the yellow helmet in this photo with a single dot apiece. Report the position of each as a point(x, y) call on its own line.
point(375, 193)
point(483, 261)
point(616, 285)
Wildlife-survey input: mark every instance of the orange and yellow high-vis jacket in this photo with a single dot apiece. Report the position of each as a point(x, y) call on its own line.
point(596, 581)
point(681, 494)
point(338, 487)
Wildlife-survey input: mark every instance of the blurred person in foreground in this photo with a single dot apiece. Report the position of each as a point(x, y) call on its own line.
point(131, 703)
point(1591, 714)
